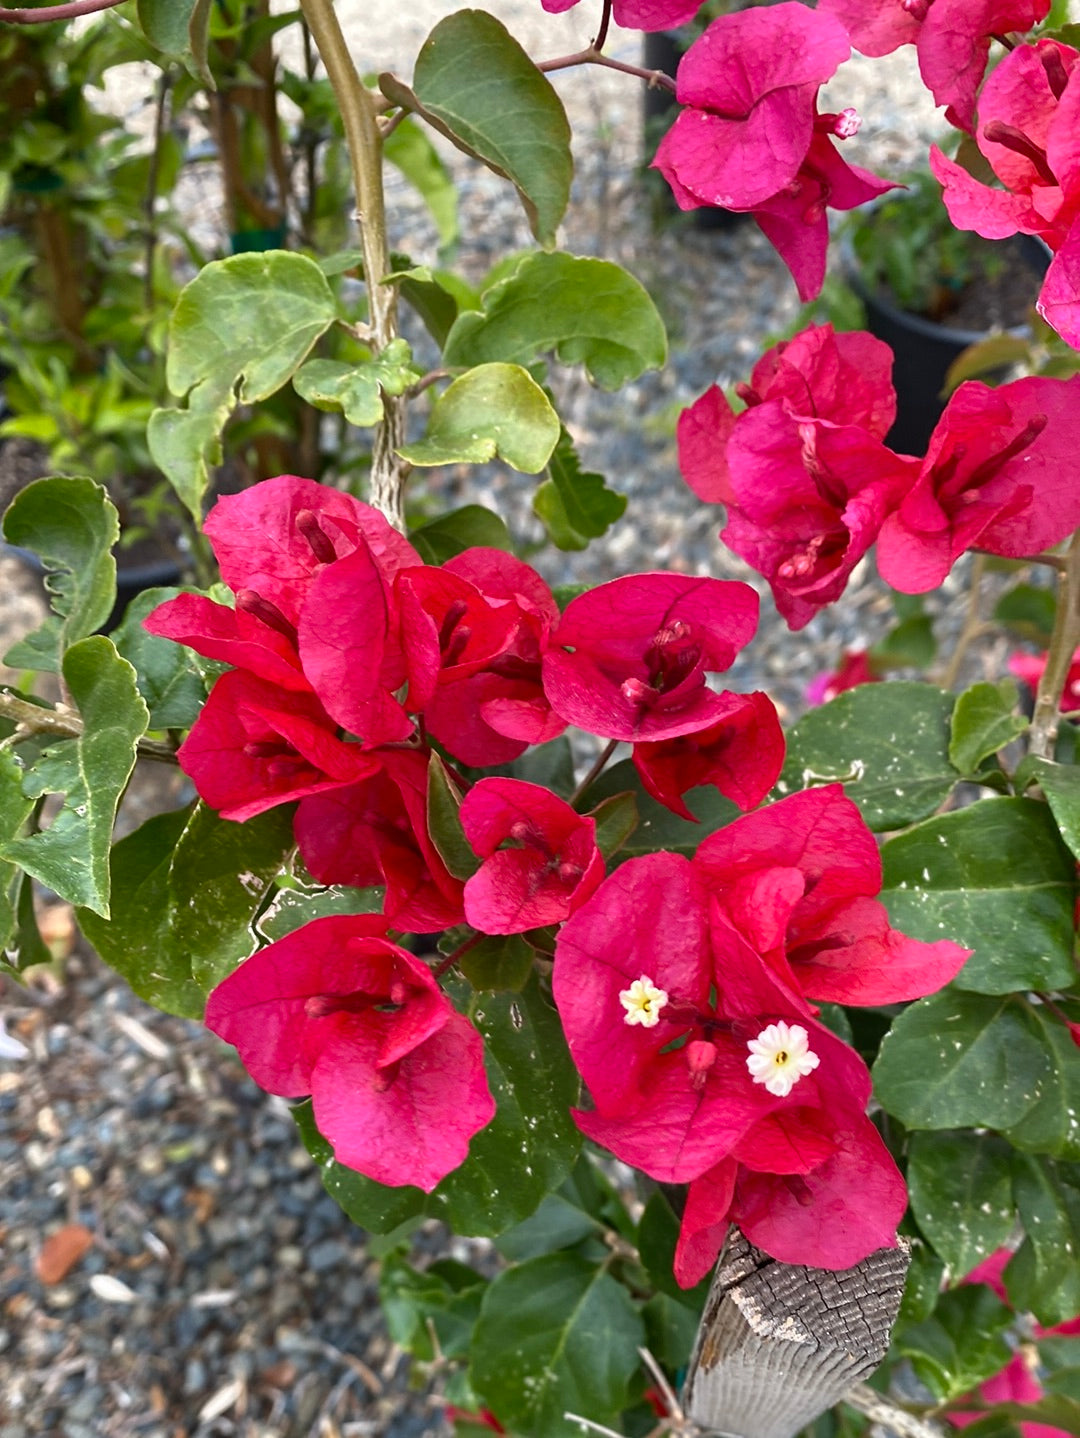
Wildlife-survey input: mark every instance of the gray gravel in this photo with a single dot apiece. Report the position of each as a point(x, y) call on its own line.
point(224, 1294)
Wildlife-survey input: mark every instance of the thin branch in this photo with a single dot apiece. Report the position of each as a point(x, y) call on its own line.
point(605, 21)
point(459, 953)
point(48, 13)
point(973, 625)
point(604, 755)
point(33, 719)
point(657, 79)
point(1063, 645)
point(880, 1409)
point(360, 116)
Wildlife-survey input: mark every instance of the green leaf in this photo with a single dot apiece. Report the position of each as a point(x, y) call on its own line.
point(444, 822)
point(411, 150)
point(550, 764)
point(616, 819)
point(670, 1330)
point(984, 722)
point(466, 528)
point(658, 827)
point(186, 888)
point(72, 525)
point(573, 505)
point(1028, 610)
point(494, 410)
point(1061, 785)
point(437, 298)
point(1053, 1125)
point(910, 643)
point(180, 29)
point(445, 1297)
point(922, 1285)
point(356, 391)
point(72, 855)
point(1043, 1276)
point(996, 878)
point(985, 357)
point(499, 961)
point(1053, 1410)
point(581, 1209)
point(888, 744)
point(523, 1154)
point(587, 311)
point(14, 811)
point(475, 84)
point(239, 331)
point(962, 1343)
point(961, 1060)
point(961, 1194)
point(289, 909)
point(172, 679)
point(657, 1235)
point(185, 444)
point(555, 1335)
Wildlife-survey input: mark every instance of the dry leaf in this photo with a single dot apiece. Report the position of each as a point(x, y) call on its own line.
point(61, 1251)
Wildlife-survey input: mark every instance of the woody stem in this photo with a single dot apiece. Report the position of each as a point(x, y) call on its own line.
point(1063, 644)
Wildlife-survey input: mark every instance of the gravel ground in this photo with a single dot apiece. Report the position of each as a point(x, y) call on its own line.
point(222, 1293)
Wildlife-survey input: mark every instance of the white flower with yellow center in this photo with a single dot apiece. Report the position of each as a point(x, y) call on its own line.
point(780, 1056)
point(643, 1002)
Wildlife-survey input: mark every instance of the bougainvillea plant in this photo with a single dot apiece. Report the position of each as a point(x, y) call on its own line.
point(496, 882)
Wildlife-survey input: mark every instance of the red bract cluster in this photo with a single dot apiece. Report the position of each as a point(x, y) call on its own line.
point(685, 987)
point(639, 14)
point(335, 1010)
point(351, 660)
point(750, 136)
point(810, 485)
point(1029, 131)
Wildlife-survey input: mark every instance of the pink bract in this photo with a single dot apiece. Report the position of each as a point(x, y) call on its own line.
point(255, 746)
point(797, 879)
point(550, 868)
point(952, 38)
point(999, 475)
point(639, 14)
point(375, 833)
point(740, 754)
point(1029, 121)
point(629, 658)
point(396, 1077)
point(855, 668)
point(1030, 667)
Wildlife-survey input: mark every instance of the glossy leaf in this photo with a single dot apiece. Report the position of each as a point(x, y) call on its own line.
point(187, 886)
point(492, 411)
point(658, 827)
point(925, 1276)
point(499, 961)
point(474, 83)
point(996, 878)
point(984, 721)
point(1061, 785)
point(444, 822)
point(179, 29)
point(14, 811)
point(888, 744)
point(575, 506)
point(958, 1060)
point(290, 909)
point(470, 527)
point(72, 855)
point(437, 1305)
point(616, 819)
point(71, 524)
point(172, 679)
point(356, 390)
point(1053, 1125)
point(555, 1335)
point(961, 1194)
point(657, 1235)
point(962, 1343)
point(239, 331)
point(1043, 1276)
point(586, 311)
point(409, 148)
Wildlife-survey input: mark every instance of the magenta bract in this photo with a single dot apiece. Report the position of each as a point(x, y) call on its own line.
point(550, 864)
point(639, 14)
point(335, 1010)
point(629, 658)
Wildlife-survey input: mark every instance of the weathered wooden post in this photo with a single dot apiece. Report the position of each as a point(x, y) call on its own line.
point(779, 1343)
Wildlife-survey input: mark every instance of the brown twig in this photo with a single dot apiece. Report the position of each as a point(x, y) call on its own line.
point(33, 719)
point(1063, 644)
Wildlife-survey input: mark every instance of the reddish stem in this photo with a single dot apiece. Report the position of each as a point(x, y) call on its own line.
point(459, 953)
point(591, 56)
point(47, 13)
point(605, 21)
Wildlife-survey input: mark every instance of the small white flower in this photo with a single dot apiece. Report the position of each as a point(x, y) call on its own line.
point(643, 1002)
point(780, 1056)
